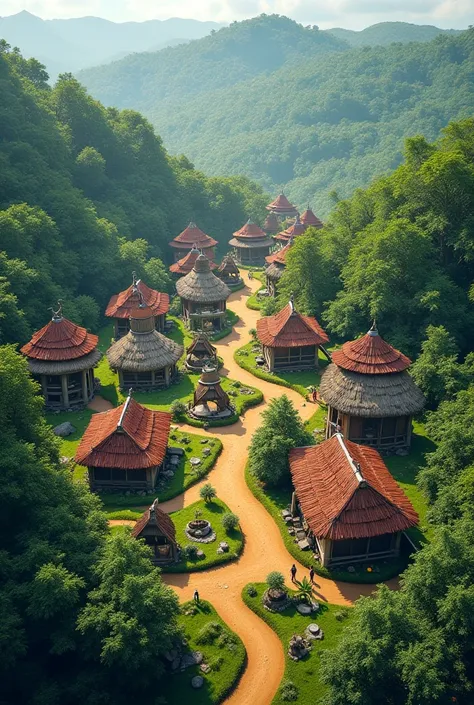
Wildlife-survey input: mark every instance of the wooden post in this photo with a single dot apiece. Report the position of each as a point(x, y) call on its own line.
point(85, 394)
point(44, 387)
point(64, 390)
point(167, 376)
point(293, 504)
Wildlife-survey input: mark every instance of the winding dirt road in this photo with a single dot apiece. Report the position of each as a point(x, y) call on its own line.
point(264, 549)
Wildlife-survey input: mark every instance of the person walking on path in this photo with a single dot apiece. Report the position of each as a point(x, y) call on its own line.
point(293, 573)
point(311, 575)
point(196, 597)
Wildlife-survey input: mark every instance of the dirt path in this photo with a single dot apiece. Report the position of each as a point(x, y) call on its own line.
point(264, 549)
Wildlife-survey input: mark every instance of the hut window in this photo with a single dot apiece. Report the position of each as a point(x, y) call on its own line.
point(136, 476)
point(402, 425)
point(349, 547)
point(101, 474)
point(119, 474)
point(381, 544)
point(388, 428)
point(355, 429)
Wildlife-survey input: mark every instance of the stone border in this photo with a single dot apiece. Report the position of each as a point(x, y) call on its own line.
point(206, 539)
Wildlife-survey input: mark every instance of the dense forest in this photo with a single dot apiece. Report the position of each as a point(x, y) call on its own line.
point(86, 196)
point(384, 33)
point(288, 107)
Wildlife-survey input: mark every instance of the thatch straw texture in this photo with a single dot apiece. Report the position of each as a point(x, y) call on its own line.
point(251, 244)
point(201, 285)
point(143, 352)
point(375, 396)
point(274, 271)
point(64, 367)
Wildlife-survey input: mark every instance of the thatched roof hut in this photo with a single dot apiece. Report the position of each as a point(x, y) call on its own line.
point(121, 305)
point(159, 533)
point(276, 266)
point(185, 264)
point(282, 207)
point(200, 352)
point(309, 219)
point(203, 296)
point(353, 507)
point(251, 244)
point(229, 272)
point(62, 356)
point(192, 237)
point(297, 228)
point(144, 358)
point(370, 395)
point(210, 400)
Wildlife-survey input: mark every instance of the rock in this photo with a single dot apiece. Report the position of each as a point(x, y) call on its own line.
point(174, 460)
point(195, 461)
point(205, 668)
point(200, 554)
point(206, 451)
point(176, 663)
point(64, 460)
point(401, 451)
point(197, 682)
point(303, 544)
point(315, 607)
point(351, 569)
point(286, 513)
point(220, 550)
point(303, 608)
point(204, 441)
point(64, 429)
point(175, 451)
point(224, 545)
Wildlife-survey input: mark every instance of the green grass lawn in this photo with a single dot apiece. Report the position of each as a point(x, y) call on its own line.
point(222, 650)
point(299, 381)
point(274, 499)
point(303, 674)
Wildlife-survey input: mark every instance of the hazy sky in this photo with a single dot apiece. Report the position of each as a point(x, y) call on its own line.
point(354, 14)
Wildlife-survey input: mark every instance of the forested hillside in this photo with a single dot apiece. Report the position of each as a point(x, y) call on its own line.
point(273, 100)
point(384, 33)
point(87, 195)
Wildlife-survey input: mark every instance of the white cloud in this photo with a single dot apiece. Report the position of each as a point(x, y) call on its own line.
point(354, 14)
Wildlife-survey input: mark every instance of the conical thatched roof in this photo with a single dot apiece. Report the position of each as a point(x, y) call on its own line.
point(309, 219)
point(228, 266)
point(370, 355)
point(371, 395)
point(281, 205)
point(143, 349)
point(201, 285)
point(154, 521)
point(201, 346)
point(192, 236)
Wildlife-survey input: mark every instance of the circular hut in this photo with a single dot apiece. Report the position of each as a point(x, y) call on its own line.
point(121, 305)
point(311, 220)
point(61, 357)
point(251, 245)
point(190, 238)
point(185, 264)
point(371, 397)
point(210, 400)
point(297, 228)
point(229, 273)
point(203, 297)
point(199, 353)
point(276, 266)
point(282, 208)
point(144, 358)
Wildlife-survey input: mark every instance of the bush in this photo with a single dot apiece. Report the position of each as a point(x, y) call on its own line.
point(175, 306)
point(207, 492)
point(251, 590)
point(209, 633)
point(288, 691)
point(178, 409)
point(230, 521)
point(342, 614)
point(276, 580)
point(190, 551)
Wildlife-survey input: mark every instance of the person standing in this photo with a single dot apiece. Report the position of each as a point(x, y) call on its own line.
point(311, 575)
point(196, 597)
point(293, 573)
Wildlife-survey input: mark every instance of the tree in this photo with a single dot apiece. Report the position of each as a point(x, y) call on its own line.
point(275, 580)
point(207, 492)
point(230, 522)
point(281, 430)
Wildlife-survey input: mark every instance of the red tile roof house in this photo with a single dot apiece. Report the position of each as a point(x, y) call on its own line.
point(310, 220)
point(297, 228)
point(121, 306)
point(370, 395)
point(184, 265)
point(282, 208)
point(62, 357)
point(353, 508)
point(290, 341)
point(190, 238)
point(156, 528)
point(124, 448)
point(251, 245)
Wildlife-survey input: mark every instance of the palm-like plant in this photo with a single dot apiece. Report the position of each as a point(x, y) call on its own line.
point(305, 590)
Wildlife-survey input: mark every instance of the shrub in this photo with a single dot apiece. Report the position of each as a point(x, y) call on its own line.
point(188, 449)
point(237, 384)
point(190, 551)
point(288, 691)
point(251, 590)
point(207, 492)
point(216, 663)
point(253, 333)
point(209, 633)
point(175, 306)
point(342, 614)
point(276, 580)
point(230, 521)
point(178, 409)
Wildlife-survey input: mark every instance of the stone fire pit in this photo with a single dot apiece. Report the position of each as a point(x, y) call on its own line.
point(200, 530)
point(275, 600)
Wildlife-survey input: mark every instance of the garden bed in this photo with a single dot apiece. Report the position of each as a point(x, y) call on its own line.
point(223, 651)
point(304, 674)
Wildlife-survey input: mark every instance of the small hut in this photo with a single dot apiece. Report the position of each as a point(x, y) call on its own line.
point(210, 400)
point(290, 341)
point(190, 238)
point(159, 533)
point(229, 272)
point(199, 353)
point(297, 228)
point(251, 244)
point(370, 395)
point(203, 297)
point(272, 224)
point(61, 357)
point(124, 448)
point(282, 208)
point(183, 266)
point(310, 220)
point(121, 305)
point(354, 509)
point(144, 358)
point(276, 266)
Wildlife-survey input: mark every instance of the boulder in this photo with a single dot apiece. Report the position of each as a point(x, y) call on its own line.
point(175, 451)
point(64, 429)
point(224, 545)
point(197, 682)
point(303, 608)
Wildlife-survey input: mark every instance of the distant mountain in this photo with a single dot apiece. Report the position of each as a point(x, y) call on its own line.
point(385, 33)
point(69, 45)
point(293, 107)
